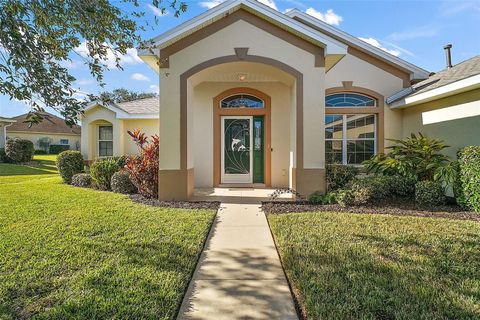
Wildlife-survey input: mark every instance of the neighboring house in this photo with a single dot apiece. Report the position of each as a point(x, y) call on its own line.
point(445, 106)
point(52, 129)
point(252, 96)
point(4, 123)
point(105, 126)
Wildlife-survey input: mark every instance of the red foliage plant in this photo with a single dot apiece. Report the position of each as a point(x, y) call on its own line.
point(143, 168)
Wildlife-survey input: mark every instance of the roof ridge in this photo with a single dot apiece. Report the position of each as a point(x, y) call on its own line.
point(156, 97)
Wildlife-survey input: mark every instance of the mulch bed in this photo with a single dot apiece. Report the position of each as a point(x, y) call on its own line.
point(213, 205)
point(396, 208)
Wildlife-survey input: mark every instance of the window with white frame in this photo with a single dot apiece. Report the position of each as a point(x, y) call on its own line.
point(64, 141)
point(105, 141)
point(349, 138)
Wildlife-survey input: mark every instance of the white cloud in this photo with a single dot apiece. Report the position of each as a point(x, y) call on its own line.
point(374, 42)
point(154, 88)
point(210, 4)
point(213, 3)
point(156, 11)
point(139, 77)
point(419, 32)
point(130, 57)
point(71, 64)
point(269, 3)
point(329, 17)
point(84, 82)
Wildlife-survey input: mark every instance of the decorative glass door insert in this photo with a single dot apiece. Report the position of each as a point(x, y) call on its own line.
point(237, 153)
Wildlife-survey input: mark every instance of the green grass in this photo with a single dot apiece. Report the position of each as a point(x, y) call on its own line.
point(68, 252)
point(348, 266)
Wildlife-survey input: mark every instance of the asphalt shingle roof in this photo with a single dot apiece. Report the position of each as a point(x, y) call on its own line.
point(142, 106)
point(463, 70)
point(50, 124)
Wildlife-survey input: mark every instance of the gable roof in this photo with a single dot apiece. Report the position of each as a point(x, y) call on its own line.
point(147, 108)
point(333, 40)
point(461, 77)
point(321, 26)
point(50, 124)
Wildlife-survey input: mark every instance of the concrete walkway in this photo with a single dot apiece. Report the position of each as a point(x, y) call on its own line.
point(239, 275)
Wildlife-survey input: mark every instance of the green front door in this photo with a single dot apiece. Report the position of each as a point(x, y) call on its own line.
point(258, 149)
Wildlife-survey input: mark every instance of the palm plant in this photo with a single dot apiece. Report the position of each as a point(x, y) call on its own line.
point(417, 156)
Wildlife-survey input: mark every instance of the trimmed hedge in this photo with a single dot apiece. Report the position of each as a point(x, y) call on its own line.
point(429, 193)
point(58, 148)
point(82, 180)
point(3, 156)
point(69, 163)
point(121, 183)
point(19, 150)
point(338, 176)
point(102, 171)
point(468, 185)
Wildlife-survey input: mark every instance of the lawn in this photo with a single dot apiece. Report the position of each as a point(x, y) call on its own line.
point(67, 252)
point(351, 266)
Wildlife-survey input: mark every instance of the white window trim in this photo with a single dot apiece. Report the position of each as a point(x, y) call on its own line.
point(344, 139)
point(98, 144)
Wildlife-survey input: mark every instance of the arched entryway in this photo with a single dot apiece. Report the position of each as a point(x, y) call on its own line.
point(242, 137)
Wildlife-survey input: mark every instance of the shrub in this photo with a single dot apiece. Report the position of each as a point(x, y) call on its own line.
point(371, 189)
point(69, 163)
point(338, 176)
point(19, 150)
point(403, 186)
point(468, 186)
point(58, 148)
point(121, 183)
point(429, 193)
point(82, 180)
point(3, 156)
point(418, 157)
point(344, 197)
point(102, 171)
point(318, 198)
point(143, 169)
point(121, 161)
point(39, 151)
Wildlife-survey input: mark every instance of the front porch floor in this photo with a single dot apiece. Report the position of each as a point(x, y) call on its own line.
point(254, 194)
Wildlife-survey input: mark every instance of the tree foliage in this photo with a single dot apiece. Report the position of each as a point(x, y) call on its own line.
point(37, 38)
point(124, 95)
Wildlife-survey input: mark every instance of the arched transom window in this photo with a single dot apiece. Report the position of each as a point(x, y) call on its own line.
point(351, 122)
point(242, 101)
point(349, 100)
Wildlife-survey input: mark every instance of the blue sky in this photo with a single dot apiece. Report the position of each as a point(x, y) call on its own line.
point(414, 30)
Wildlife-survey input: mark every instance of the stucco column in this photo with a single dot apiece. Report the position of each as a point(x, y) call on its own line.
point(310, 174)
point(173, 172)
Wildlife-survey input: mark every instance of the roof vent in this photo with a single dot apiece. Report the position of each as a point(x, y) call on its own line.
point(448, 55)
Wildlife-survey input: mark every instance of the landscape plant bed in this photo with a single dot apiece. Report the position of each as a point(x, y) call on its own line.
point(397, 208)
point(212, 205)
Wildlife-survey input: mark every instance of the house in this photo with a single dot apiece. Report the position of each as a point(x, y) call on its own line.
point(52, 129)
point(252, 96)
point(445, 106)
point(4, 123)
point(106, 125)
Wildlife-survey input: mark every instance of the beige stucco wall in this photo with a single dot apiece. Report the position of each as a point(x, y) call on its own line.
point(73, 140)
point(456, 133)
point(366, 75)
point(203, 129)
point(222, 43)
point(122, 142)
point(148, 126)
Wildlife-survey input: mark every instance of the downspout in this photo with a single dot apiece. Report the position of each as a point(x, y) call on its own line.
point(5, 133)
